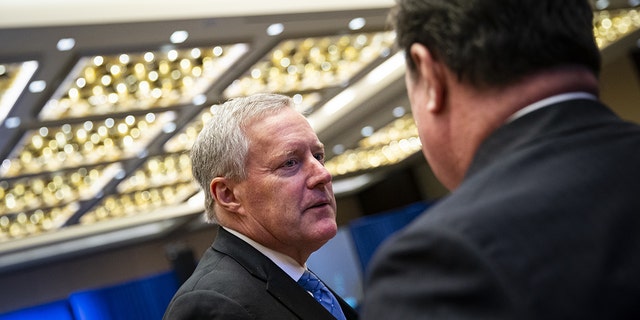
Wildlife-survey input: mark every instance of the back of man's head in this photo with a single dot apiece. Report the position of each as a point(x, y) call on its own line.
point(491, 43)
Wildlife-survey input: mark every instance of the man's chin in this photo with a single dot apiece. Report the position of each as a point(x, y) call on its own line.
point(327, 228)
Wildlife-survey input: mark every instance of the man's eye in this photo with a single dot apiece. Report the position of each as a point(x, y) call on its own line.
point(319, 157)
point(290, 163)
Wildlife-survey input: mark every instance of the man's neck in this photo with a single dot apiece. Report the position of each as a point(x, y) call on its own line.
point(481, 111)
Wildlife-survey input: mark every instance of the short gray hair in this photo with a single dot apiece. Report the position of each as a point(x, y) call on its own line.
point(222, 146)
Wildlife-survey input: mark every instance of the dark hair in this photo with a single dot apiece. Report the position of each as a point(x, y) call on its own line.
point(495, 42)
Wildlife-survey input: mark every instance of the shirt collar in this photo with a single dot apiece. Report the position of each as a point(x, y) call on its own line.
point(286, 263)
point(550, 101)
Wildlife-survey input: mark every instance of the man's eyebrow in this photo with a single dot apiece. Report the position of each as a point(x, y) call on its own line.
point(289, 152)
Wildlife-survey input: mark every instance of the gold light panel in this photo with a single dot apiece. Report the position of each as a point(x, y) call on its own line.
point(139, 202)
point(184, 139)
point(312, 63)
point(134, 81)
point(91, 142)
point(53, 190)
point(29, 223)
point(160, 181)
point(159, 171)
point(610, 26)
point(389, 145)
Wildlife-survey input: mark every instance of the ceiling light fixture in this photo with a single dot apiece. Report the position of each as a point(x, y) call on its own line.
point(199, 100)
point(357, 23)
point(169, 127)
point(338, 149)
point(399, 111)
point(179, 36)
point(12, 122)
point(66, 44)
point(275, 29)
point(366, 131)
point(37, 86)
point(602, 4)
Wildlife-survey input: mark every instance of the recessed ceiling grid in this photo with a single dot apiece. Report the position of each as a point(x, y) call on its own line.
point(110, 135)
point(97, 120)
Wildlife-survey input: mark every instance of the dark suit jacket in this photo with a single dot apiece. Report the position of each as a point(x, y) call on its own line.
point(235, 281)
point(546, 225)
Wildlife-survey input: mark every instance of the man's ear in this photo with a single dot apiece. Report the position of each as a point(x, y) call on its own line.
point(429, 74)
point(222, 192)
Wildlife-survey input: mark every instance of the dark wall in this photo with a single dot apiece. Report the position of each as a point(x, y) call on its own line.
point(635, 57)
point(398, 189)
point(54, 281)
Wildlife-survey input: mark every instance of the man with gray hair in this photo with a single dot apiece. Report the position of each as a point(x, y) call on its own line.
point(261, 167)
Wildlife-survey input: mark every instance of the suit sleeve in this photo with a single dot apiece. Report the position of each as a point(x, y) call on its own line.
point(200, 305)
point(434, 274)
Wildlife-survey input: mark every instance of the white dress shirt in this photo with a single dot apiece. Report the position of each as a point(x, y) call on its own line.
point(549, 101)
point(286, 263)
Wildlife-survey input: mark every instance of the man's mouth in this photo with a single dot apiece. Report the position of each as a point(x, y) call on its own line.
point(318, 204)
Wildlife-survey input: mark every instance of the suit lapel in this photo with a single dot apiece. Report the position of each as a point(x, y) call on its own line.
point(293, 296)
point(277, 282)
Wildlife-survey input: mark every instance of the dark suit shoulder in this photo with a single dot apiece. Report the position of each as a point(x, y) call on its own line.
point(220, 273)
point(547, 211)
point(198, 304)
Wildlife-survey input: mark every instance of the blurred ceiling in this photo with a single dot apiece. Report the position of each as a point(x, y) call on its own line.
point(100, 102)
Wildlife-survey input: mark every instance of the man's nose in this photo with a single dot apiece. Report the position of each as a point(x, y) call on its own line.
point(319, 174)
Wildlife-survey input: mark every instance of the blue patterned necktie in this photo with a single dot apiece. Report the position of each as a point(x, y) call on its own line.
point(312, 284)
